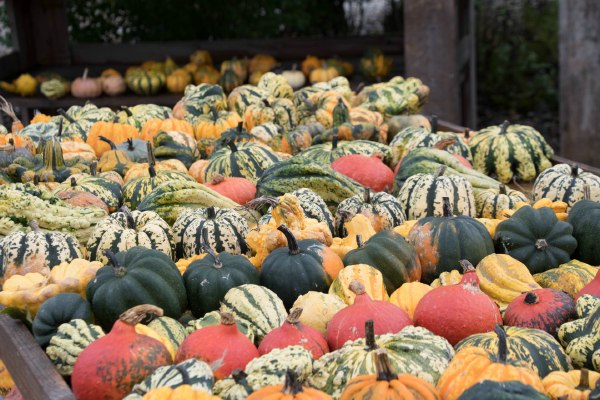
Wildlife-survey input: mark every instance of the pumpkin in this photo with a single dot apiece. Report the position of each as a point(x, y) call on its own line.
point(222, 342)
point(73, 276)
point(536, 238)
point(508, 151)
point(6, 381)
point(535, 349)
point(368, 276)
point(593, 287)
point(201, 57)
point(387, 384)
point(323, 73)
point(572, 385)
point(126, 229)
point(174, 144)
point(204, 74)
point(209, 279)
point(570, 277)
point(114, 85)
point(114, 131)
point(280, 111)
point(473, 365)
point(225, 231)
point(239, 67)
point(408, 296)
point(441, 242)
point(490, 202)
point(98, 369)
point(178, 80)
point(86, 88)
point(35, 251)
point(457, 311)
point(305, 265)
point(145, 83)
point(360, 115)
point(358, 226)
point(77, 150)
point(327, 153)
point(240, 190)
point(57, 310)
point(276, 85)
point(563, 182)
point(154, 125)
point(229, 80)
point(197, 100)
point(243, 96)
point(382, 210)
point(53, 167)
point(212, 125)
point(544, 309)
point(132, 277)
point(170, 329)
point(398, 123)
point(108, 191)
point(262, 63)
point(136, 149)
point(27, 292)
point(310, 63)
point(373, 173)
point(290, 389)
point(375, 65)
point(320, 106)
point(214, 318)
point(583, 217)
point(509, 390)
point(318, 309)
point(294, 77)
point(581, 336)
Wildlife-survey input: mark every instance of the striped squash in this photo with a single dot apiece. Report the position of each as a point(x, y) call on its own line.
point(245, 160)
point(508, 151)
point(69, 341)
point(414, 350)
point(370, 277)
point(422, 194)
point(400, 141)
point(536, 348)
point(174, 144)
point(289, 142)
point(138, 115)
point(580, 337)
point(490, 202)
point(145, 82)
point(455, 144)
point(564, 182)
point(296, 173)
point(213, 124)
point(135, 190)
point(198, 100)
point(110, 192)
point(243, 96)
point(570, 277)
point(214, 318)
point(326, 153)
point(276, 85)
point(78, 120)
point(256, 306)
point(123, 230)
point(225, 231)
point(170, 329)
point(279, 111)
point(383, 210)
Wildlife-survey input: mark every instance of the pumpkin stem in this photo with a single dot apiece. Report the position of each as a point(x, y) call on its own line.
point(586, 192)
point(467, 133)
point(204, 244)
point(36, 180)
point(531, 298)
point(34, 225)
point(266, 102)
point(502, 347)
point(127, 111)
point(446, 207)
point(504, 127)
point(441, 171)
point(115, 119)
point(360, 87)
point(129, 217)
point(584, 379)
point(232, 146)
point(211, 213)
point(130, 144)
point(119, 269)
point(239, 375)
point(367, 195)
point(136, 314)
point(185, 377)
point(110, 142)
point(85, 73)
point(166, 114)
point(151, 171)
point(292, 243)
point(359, 241)
point(541, 244)
point(443, 144)
point(434, 123)
point(151, 159)
point(466, 266)
point(218, 178)
point(214, 113)
point(73, 182)
point(292, 385)
point(294, 316)
point(574, 170)
point(383, 367)
point(60, 128)
point(259, 202)
point(66, 116)
point(94, 168)
point(370, 343)
point(356, 287)
point(502, 189)
point(334, 141)
point(227, 318)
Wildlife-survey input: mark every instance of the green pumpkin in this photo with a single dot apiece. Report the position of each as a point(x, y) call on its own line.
point(510, 390)
point(585, 219)
point(441, 242)
point(178, 145)
point(538, 349)
point(220, 229)
point(581, 338)
point(198, 100)
point(169, 328)
point(280, 111)
point(56, 311)
point(229, 80)
point(109, 191)
point(209, 279)
point(40, 132)
point(214, 318)
point(392, 255)
point(536, 238)
point(508, 151)
point(9, 153)
point(422, 194)
point(69, 341)
point(144, 82)
point(136, 149)
point(400, 141)
point(245, 160)
point(303, 266)
point(490, 202)
point(276, 85)
point(326, 153)
point(133, 277)
point(243, 96)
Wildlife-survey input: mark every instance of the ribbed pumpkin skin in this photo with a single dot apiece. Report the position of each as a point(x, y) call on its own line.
point(279, 111)
point(226, 231)
point(538, 349)
point(564, 182)
point(581, 337)
point(585, 218)
point(441, 242)
point(568, 384)
point(392, 255)
point(430, 139)
point(570, 277)
point(240, 190)
point(373, 173)
point(135, 190)
point(408, 296)
point(536, 238)
point(544, 309)
point(242, 96)
point(198, 100)
point(245, 160)
point(208, 280)
point(383, 210)
point(490, 202)
point(150, 277)
point(510, 150)
point(136, 149)
point(510, 390)
point(170, 329)
point(57, 310)
point(422, 195)
point(177, 145)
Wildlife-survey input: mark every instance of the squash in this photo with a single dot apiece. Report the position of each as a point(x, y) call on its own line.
point(373, 173)
point(170, 329)
point(584, 219)
point(178, 80)
point(114, 131)
point(509, 390)
point(326, 153)
point(490, 202)
point(358, 226)
point(154, 125)
point(86, 88)
point(27, 292)
point(383, 210)
point(276, 85)
point(318, 309)
point(108, 191)
point(174, 144)
point(136, 149)
point(564, 182)
point(114, 160)
point(6, 381)
point(243, 96)
point(212, 125)
point(197, 100)
point(369, 277)
point(536, 238)
point(240, 190)
point(280, 111)
point(310, 63)
point(581, 336)
point(73, 276)
point(572, 385)
point(294, 77)
point(145, 83)
point(408, 296)
point(375, 66)
point(114, 85)
point(570, 277)
point(290, 389)
point(323, 73)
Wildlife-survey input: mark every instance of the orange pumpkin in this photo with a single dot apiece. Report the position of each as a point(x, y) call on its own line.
point(201, 57)
point(17, 140)
point(40, 118)
point(155, 125)
point(291, 389)
point(196, 170)
point(206, 74)
point(571, 385)
point(385, 384)
point(82, 151)
point(323, 74)
point(181, 392)
point(261, 63)
point(114, 131)
point(215, 123)
point(310, 63)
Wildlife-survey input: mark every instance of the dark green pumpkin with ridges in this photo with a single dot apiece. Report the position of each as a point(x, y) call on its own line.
point(510, 390)
point(392, 255)
point(133, 277)
point(56, 311)
point(536, 238)
point(585, 219)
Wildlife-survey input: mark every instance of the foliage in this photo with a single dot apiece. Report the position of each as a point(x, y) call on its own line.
point(5, 37)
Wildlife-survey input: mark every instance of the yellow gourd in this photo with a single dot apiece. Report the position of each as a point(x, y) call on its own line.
point(368, 276)
point(27, 292)
point(6, 381)
point(408, 296)
point(24, 85)
point(318, 309)
point(358, 225)
point(183, 263)
point(74, 276)
point(147, 331)
point(405, 227)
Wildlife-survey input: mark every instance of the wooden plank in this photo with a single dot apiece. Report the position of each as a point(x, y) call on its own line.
point(50, 30)
point(20, 27)
point(579, 50)
point(431, 53)
point(28, 365)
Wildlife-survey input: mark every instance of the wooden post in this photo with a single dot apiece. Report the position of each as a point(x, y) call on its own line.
point(579, 83)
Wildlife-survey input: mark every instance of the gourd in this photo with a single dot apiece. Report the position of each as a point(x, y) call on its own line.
point(570, 277)
point(318, 309)
point(584, 219)
point(85, 87)
point(154, 125)
point(108, 191)
point(373, 173)
point(408, 296)
point(358, 226)
point(290, 389)
point(212, 125)
point(383, 210)
point(509, 390)
point(197, 100)
point(136, 149)
point(580, 337)
point(113, 131)
point(491, 202)
point(113, 159)
point(170, 329)
point(369, 277)
point(27, 292)
point(144, 82)
point(177, 145)
point(240, 190)
point(564, 182)
point(114, 85)
point(276, 85)
point(73, 277)
point(280, 111)
point(572, 385)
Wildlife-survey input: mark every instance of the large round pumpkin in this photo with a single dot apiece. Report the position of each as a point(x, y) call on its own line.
point(585, 218)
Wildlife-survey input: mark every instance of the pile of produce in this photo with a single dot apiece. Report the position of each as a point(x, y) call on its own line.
point(316, 243)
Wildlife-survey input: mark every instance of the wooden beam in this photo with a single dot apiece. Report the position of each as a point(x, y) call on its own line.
point(28, 365)
point(431, 53)
point(50, 30)
point(579, 51)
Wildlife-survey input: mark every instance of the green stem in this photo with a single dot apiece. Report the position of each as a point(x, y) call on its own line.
point(367, 195)
point(204, 244)
point(120, 270)
point(434, 123)
point(504, 127)
point(446, 207)
point(129, 217)
point(370, 336)
point(383, 367)
point(110, 142)
point(292, 385)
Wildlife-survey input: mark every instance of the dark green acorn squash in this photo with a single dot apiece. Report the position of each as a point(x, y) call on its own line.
point(511, 390)
point(585, 218)
point(303, 266)
point(392, 255)
point(56, 311)
point(536, 238)
point(133, 277)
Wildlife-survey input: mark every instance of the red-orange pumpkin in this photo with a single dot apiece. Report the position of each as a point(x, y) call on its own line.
point(240, 190)
point(368, 171)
